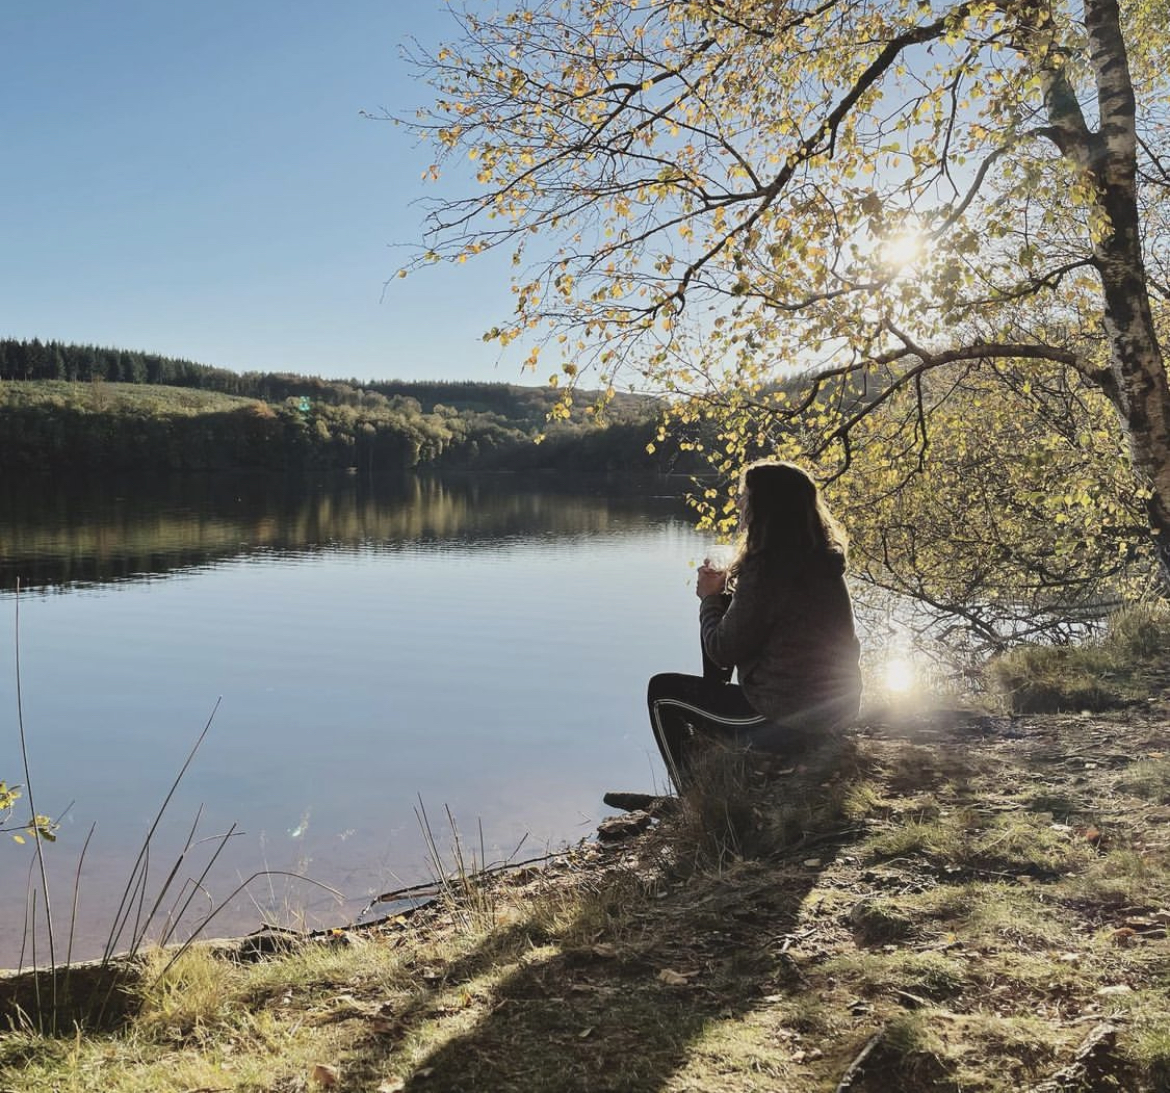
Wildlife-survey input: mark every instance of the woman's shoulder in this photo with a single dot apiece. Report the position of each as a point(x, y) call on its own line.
point(766, 569)
point(777, 566)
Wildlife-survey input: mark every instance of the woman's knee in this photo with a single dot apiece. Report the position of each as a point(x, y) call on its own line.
point(667, 685)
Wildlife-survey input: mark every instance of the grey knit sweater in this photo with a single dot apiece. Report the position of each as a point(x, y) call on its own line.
point(788, 630)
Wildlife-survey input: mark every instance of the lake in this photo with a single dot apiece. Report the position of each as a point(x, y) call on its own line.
point(481, 643)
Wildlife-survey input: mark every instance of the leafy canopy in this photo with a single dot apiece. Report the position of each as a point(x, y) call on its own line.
point(893, 199)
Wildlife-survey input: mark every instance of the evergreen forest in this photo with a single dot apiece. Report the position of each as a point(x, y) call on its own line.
point(70, 407)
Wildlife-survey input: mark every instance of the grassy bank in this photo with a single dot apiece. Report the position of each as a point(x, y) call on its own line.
point(953, 902)
point(59, 425)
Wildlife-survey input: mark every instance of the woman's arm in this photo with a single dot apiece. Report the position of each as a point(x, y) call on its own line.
point(733, 632)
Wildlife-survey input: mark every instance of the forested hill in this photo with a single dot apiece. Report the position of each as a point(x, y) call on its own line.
point(66, 407)
point(520, 405)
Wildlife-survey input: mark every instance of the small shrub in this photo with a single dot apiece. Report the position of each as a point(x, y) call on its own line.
point(910, 1039)
point(1050, 678)
point(737, 808)
point(193, 993)
point(1141, 631)
point(860, 799)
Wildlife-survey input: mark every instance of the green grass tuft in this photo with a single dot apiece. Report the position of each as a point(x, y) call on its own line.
point(1149, 779)
point(930, 974)
point(1109, 672)
point(1149, 1047)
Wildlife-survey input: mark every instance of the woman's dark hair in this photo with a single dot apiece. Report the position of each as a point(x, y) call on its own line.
point(783, 514)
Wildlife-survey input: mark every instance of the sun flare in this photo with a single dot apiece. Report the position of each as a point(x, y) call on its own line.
point(901, 250)
point(900, 675)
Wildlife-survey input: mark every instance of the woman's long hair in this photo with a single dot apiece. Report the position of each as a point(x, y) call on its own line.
point(783, 515)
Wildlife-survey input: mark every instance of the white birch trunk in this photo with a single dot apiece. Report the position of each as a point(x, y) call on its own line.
point(1140, 390)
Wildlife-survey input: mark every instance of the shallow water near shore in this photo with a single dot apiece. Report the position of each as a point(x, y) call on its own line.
point(477, 643)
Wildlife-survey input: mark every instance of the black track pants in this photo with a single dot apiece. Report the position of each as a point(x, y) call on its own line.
point(686, 709)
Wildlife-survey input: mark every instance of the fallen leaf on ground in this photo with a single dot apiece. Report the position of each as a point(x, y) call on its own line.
point(325, 1075)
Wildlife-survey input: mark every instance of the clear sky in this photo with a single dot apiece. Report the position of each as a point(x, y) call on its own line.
point(193, 177)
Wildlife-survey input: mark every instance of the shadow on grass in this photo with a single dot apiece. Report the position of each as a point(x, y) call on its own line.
point(93, 995)
point(641, 981)
point(574, 1019)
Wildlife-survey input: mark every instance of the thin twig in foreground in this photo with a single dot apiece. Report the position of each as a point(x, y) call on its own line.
point(858, 1063)
point(434, 887)
point(73, 912)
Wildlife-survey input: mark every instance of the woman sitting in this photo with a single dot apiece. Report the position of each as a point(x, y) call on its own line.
point(780, 615)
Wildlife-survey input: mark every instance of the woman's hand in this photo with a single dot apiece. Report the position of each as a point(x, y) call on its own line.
point(710, 581)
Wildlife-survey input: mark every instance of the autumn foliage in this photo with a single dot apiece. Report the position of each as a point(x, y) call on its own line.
point(917, 244)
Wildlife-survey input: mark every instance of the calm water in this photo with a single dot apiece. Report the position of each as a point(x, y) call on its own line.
point(477, 643)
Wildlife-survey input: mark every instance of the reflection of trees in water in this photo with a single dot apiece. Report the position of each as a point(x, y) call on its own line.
point(54, 534)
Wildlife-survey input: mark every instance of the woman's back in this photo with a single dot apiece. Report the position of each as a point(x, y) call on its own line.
point(811, 654)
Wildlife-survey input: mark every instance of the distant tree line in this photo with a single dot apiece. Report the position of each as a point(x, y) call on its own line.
point(77, 406)
point(37, 360)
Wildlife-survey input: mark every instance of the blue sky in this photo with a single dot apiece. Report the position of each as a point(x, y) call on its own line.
point(195, 179)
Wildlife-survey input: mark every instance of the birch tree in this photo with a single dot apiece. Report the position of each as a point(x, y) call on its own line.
point(948, 216)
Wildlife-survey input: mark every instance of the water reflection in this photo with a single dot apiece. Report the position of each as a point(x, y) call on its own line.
point(478, 642)
point(55, 535)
